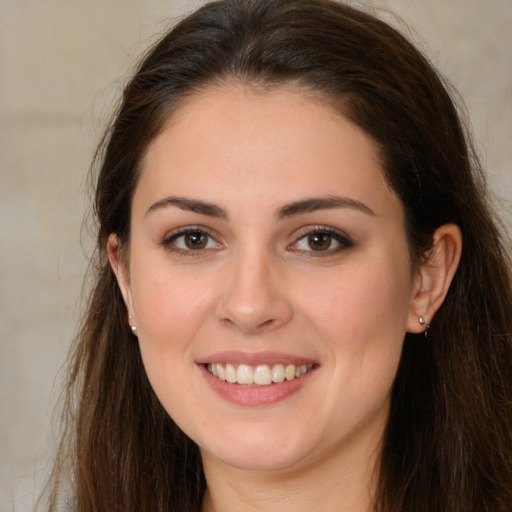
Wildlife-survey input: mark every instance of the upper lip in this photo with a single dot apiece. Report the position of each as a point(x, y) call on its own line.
point(254, 358)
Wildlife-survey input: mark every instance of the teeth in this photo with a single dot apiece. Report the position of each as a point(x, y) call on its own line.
point(261, 375)
point(278, 374)
point(289, 372)
point(244, 374)
point(230, 373)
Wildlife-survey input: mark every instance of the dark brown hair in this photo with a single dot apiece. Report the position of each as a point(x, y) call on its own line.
point(448, 444)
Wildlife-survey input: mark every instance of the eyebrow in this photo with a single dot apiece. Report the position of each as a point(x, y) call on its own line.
point(190, 205)
point(322, 203)
point(289, 210)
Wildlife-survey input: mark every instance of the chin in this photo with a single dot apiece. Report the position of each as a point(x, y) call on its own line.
point(260, 450)
point(252, 459)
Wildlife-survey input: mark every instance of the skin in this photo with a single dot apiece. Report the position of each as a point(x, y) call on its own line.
point(260, 285)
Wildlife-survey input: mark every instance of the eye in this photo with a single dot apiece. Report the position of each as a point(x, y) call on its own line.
point(321, 239)
point(190, 240)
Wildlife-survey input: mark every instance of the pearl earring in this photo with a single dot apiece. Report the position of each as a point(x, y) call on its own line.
point(427, 326)
point(133, 328)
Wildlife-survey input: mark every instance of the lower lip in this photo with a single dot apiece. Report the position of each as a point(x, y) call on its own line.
point(254, 396)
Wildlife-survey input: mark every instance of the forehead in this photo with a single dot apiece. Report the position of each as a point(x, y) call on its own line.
point(238, 140)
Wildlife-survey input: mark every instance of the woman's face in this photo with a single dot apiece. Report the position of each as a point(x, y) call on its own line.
point(265, 243)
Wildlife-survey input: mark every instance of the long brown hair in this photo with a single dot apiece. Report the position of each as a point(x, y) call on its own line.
point(448, 444)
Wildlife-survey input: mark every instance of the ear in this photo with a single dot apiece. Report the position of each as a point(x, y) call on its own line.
point(122, 274)
point(434, 277)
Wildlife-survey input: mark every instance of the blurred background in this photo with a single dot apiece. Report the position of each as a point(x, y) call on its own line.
point(62, 65)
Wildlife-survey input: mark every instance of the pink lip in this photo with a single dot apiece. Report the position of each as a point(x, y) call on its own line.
point(254, 396)
point(254, 358)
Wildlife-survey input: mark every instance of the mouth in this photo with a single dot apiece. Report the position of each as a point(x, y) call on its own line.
point(257, 376)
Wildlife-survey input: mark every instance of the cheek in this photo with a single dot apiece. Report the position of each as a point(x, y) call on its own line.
point(166, 297)
point(362, 323)
point(361, 317)
point(364, 300)
point(168, 315)
point(168, 309)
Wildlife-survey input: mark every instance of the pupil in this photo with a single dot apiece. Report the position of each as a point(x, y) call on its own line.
point(319, 241)
point(195, 240)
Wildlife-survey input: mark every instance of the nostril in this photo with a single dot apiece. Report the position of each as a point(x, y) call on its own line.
point(227, 322)
point(253, 304)
point(247, 325)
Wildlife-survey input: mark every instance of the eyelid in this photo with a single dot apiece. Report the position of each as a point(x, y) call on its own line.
point(343, 240)
point(338, 235)
point(167, 242)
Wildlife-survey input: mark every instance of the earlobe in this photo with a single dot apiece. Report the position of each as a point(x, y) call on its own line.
point(434, 277)
point(121, 272)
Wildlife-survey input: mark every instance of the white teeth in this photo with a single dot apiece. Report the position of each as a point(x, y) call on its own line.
point(278, 373)
point(230, 373)
point(244, 374)
point(300, 371)
point(261, 375)
point(221, 372)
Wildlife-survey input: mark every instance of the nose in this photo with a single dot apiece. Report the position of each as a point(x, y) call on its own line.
point(255, 298)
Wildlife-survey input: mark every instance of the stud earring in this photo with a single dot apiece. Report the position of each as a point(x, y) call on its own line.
point(133, 328)
point(427, 326)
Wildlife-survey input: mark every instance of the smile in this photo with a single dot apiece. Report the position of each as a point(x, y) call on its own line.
point(260, 375)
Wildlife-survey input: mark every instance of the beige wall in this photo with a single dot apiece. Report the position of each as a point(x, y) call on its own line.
point(61, 63)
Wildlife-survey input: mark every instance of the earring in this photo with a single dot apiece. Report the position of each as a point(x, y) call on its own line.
point(133, 328)
point(427, 326)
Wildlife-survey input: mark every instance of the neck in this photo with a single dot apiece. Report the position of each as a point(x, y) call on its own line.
point(343, 484)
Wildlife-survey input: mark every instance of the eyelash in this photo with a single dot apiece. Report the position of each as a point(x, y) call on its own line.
point(170, 241)
point(334, 235)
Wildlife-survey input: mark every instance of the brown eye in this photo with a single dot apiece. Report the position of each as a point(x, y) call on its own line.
point(322, 239)
point(191, 240)
point(195, 240)
point(319, 241)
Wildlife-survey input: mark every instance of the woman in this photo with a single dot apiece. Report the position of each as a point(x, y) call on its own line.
point(301, 298)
